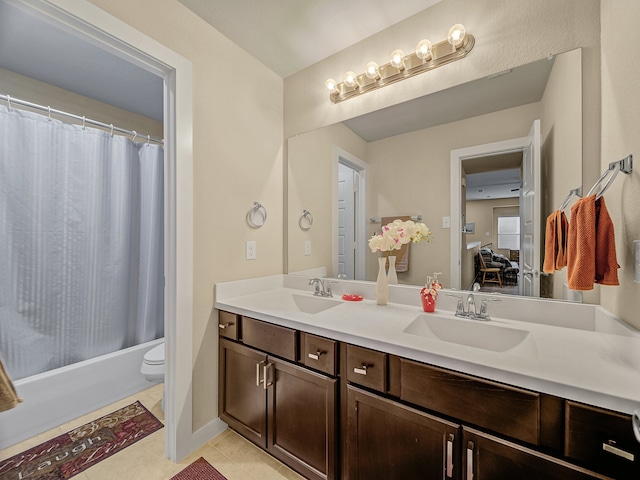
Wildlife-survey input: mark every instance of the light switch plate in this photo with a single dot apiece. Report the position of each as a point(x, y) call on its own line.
point(251, 250)
point(307, 247)
point(446, 222)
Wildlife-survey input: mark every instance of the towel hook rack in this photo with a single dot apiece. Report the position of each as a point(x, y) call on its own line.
point(257, 215)
point(576, 191)
point(306, 220)
point(625, 165)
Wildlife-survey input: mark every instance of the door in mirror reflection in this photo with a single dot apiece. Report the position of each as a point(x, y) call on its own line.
point(349, 229)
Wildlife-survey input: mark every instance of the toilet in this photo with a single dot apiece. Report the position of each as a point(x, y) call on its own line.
point(153, 364)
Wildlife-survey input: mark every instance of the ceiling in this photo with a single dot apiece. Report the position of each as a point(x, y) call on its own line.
point(289, 35)
point(285, 35)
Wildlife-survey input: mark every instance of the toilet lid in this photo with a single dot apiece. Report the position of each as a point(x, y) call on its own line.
point(155, 356)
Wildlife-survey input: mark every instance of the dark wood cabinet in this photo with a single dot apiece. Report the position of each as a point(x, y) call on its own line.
point(241, 395)
point(497, 407)
point(333, 410)
point(485, 457)
point(602, 440)
point(301, 419)
point(283, 408)
point(391, 441)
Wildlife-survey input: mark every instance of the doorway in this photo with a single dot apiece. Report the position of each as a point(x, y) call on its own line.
point(90, 23)
point(349, 237)
point(529, 200)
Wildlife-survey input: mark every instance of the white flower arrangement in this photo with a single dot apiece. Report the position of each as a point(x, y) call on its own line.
point(398, 233)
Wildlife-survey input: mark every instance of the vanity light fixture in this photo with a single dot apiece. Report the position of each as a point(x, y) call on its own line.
point(427, 56)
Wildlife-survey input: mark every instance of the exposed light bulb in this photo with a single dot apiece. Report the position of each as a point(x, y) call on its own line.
point(423, 49)
point(372, 71)
point(351, 79)
point(331, 85)
point(397, 59)
point(456, 35)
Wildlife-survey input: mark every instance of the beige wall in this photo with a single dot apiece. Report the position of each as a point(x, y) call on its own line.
point(237, 157)
point(418, 181)
point(562, 149)
point(34, 91)
point(620, 120)
point(508, 34)
point(311, 163)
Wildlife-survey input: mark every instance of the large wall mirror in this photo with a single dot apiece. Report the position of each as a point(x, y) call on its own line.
point(355, 175)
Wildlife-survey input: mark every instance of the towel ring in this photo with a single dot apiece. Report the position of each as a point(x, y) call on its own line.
point(306, 220)
point(257, 215)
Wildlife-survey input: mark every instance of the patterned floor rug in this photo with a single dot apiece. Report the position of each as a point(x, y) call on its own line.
point(199, 470)
point(73, 452)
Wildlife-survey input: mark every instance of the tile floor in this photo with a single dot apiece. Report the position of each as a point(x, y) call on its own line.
point(232, 455)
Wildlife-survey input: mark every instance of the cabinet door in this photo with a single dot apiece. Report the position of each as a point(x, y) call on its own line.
point(486, 457)
point(242, 399)
point(391, 441)
point(302, 419)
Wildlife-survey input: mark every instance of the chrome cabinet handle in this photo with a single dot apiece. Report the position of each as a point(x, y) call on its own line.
point(469, 461)
point(315, 356)
point(450, 456)
point(361, 371)
point(258, 365)
point(222, 326)
point(266, 384)
point(611, 448)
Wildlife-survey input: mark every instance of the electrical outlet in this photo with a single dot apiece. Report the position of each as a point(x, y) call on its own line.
point(251, 250)
point(307, 247)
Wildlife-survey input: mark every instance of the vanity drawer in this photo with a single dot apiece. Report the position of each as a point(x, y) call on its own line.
point(503, 409)
point(228, 324)
point(601, 440)
point(318, 353)
point(277, 340)
point(367, 367)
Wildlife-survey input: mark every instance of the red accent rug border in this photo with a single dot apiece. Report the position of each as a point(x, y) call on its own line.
point(199, 470)
point(73, 452)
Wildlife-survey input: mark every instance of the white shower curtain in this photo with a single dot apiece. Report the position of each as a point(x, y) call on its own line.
point(81, 243)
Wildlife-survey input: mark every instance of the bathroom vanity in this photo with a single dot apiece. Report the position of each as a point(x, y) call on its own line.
point(342, 390)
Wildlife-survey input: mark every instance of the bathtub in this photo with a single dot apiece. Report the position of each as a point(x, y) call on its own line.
point(55, 397)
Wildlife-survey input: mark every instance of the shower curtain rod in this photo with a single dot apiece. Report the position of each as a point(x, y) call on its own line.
point(11, 100)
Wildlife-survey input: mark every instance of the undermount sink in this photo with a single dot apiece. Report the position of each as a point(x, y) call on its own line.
point(472, 333)
point(312, 304)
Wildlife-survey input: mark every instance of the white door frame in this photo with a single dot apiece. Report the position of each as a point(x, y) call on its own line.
point(457, 157)
point(344, 157)
point(116, 36)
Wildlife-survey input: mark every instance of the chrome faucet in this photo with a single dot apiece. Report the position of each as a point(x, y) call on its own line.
point(319, 287)
point(471, 310)
point(322, 289)
point(471, 306)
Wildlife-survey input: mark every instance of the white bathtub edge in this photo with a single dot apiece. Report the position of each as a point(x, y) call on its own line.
point(54, 398)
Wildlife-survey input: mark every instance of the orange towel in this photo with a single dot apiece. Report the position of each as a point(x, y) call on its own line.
point(591, 249)
point(555, 243)
point(606, 260)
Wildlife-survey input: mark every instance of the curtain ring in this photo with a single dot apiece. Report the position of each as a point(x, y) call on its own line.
point(306, 220)
point(111, 133)
point(148, 139)
point(135, 134)
point(257, 215)
point(9, 101)
point(49, 108)
point(84, 122)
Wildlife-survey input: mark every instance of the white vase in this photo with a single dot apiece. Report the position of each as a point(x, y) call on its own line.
point(382, 286)
point(392, 275)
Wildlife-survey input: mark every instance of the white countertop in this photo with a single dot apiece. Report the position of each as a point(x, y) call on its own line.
point(594, 358)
